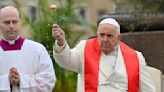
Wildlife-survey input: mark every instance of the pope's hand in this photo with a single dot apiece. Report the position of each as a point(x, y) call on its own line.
point(14, 76)
point(58, 34)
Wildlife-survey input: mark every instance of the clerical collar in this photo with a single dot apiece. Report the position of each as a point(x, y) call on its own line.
point(17, 46)
point(11, 42)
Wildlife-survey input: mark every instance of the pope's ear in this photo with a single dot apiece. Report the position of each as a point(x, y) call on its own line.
point(120, 37)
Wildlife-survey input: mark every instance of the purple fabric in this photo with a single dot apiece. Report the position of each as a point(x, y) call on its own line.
point(17, 46)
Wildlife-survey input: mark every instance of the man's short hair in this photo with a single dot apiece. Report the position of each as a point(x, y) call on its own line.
point(9, 5)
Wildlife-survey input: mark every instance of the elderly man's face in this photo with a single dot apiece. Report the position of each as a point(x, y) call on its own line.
point(9, 23)
point(107, 37)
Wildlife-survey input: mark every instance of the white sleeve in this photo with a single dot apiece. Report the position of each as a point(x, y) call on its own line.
point(4, 83)
point(70, 59)
point(43, 80)
point(146, 83)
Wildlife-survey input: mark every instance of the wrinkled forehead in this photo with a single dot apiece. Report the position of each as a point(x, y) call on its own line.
point(108, 28)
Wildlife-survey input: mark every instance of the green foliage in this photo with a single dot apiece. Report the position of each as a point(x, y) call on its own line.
point(66, 17)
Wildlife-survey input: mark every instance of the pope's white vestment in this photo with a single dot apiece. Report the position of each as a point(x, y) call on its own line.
point(112, 73)
point(34, 66)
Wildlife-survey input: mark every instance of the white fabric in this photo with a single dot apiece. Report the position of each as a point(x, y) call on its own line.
point(156, 76)
point(73, 59)
point(112, 22)
point(34, 66)
point(107, 71)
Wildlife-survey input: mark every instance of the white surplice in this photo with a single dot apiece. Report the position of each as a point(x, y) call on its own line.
point(112, 72)
point(34, 66)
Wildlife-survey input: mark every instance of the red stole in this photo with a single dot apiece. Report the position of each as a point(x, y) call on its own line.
point(91, 66)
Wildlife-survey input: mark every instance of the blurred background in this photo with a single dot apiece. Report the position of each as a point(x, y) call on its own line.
point(142, 23)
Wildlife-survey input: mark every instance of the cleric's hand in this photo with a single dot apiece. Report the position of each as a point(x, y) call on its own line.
point(14, 76)
point(58, 34)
